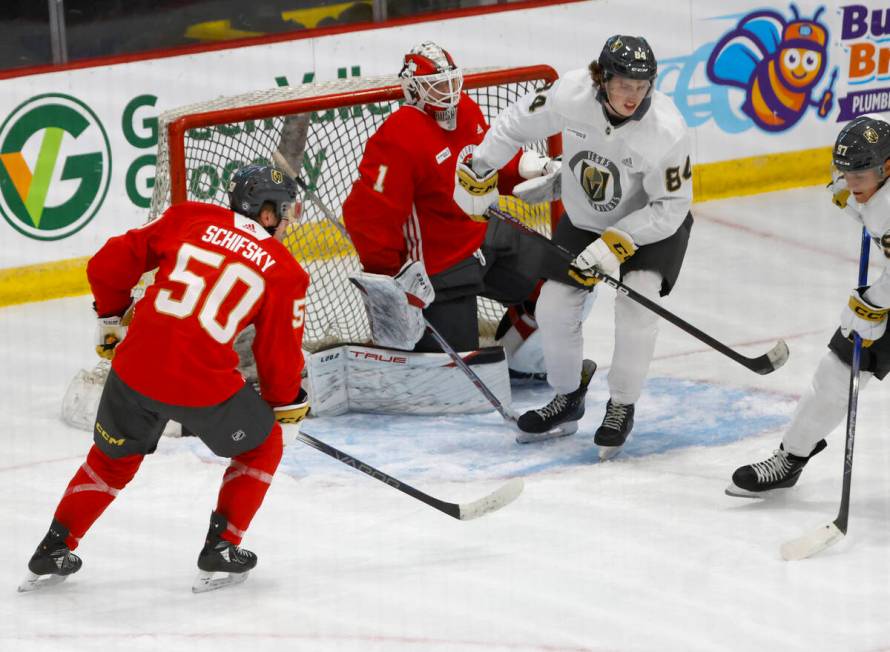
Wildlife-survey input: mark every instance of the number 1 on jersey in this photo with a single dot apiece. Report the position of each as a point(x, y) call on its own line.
point(381, 175)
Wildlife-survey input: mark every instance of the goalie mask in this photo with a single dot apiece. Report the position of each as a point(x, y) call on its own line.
point(628, 57)
point(432, 82)
point(254, 185)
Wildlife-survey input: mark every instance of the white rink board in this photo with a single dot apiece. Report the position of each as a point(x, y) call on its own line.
point(563, 36)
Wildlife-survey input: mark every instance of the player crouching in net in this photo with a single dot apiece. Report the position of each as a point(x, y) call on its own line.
point(218, 270)
point(627, 189)
point(862, 164)
point(404, 222)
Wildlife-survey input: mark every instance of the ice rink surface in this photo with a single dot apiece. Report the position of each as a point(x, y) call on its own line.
point(644, 552)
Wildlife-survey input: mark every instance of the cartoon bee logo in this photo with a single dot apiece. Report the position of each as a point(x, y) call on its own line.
point(778, 64)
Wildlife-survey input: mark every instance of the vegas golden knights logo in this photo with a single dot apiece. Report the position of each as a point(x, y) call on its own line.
point(277, 177)
point(870, 135)
point(594, 181)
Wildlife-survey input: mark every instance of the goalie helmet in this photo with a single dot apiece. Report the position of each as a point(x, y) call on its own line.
point(863, 144)
point(630, 57)
point(432, 82)
point(254, 185)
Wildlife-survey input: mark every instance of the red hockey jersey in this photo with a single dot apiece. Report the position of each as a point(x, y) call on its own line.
point(217, 272)
point(401, 205)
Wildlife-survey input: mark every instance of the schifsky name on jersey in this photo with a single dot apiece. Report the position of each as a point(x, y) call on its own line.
point(55, 166)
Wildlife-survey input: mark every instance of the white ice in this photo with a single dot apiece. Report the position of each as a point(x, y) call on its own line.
point(644, 552)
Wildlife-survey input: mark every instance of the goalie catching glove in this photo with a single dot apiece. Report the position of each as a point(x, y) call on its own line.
point(475, 190)
point(293, 412)
point(859, 315)
point(543, 178)
point(607, 252)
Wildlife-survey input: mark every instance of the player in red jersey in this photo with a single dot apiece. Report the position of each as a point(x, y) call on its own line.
point(401, 208)
point(217, 272)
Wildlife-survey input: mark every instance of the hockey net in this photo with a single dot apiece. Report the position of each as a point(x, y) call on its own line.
point(320, 131)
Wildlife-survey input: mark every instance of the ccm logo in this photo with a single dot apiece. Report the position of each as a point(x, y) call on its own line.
point(379, 357)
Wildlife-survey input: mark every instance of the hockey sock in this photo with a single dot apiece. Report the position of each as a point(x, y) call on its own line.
point(96, 483)
point(245, 483)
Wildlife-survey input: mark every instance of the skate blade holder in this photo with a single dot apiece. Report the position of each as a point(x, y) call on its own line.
point(34, 582)
point(213, 580)
point(608, 452)
point(562, 430)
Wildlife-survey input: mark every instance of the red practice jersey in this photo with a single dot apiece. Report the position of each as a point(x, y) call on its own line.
point(401, 206)
point(217, 272)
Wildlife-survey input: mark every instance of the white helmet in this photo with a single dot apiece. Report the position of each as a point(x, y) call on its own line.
point(432, 82)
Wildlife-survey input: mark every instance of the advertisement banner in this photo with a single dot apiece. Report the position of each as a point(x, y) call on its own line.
point(78, 147)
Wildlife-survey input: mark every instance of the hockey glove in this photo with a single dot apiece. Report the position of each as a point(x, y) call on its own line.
point(543, 179)
point(474, 190)
point(607, 252)
point(859, 315)
point(110, 331)
point(294, 412)
point(839, 191)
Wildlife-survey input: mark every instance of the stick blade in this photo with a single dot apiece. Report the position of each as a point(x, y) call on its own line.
point(772, 359)
point(493, 501)
point(811, 543)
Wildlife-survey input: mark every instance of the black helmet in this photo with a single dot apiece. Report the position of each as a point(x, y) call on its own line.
point(631, 57)
point(863, 144)
point(628, 56)
point(254, 185)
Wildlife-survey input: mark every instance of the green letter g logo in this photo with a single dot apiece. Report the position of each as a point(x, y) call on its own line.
point(55, 166)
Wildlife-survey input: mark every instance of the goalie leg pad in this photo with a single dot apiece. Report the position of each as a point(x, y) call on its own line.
point(373, 379)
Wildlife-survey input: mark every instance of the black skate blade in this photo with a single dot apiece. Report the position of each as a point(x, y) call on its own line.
point(206, 581)
point(33, 582)
point(562, 430)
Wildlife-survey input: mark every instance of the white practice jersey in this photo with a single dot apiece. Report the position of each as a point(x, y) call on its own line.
point(636, 177)
point(874, 215)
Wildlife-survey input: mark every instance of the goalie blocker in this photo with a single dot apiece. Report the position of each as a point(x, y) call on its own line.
point(388, 381)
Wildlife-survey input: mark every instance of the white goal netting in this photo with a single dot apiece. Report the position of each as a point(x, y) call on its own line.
point(321, 130)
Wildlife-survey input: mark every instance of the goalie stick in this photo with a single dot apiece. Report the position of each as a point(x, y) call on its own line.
point(508, 415)
point(461, 511)
point(763, 364)
point(818, 540)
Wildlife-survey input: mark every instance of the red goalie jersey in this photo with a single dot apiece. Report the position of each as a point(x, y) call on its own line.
point(217, 272)
point(401, 205)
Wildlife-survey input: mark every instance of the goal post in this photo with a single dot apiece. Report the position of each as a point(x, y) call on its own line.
point(321, 130)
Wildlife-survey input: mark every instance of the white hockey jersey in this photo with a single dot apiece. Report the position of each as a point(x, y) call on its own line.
point(636, 177)
point(874, 215)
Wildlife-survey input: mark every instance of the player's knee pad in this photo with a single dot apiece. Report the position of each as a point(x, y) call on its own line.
point(114, 472)
point(267, 455)
point(561, 306)
point(832, 379)
point(630, 313)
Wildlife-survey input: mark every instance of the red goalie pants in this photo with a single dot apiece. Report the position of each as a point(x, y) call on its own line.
point(101, 478)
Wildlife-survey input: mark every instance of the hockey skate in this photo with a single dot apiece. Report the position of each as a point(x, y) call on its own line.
point(560, 416)
point(52, 562)
point(221, 556)
point(616, 426)
point(779, 471)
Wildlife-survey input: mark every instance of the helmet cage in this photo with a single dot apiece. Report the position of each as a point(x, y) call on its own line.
point(430, 78)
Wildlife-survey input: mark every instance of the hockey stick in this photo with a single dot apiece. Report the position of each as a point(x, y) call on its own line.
point(763, 364)
point(829, 534)
point(506, 413)
point(461, 511)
